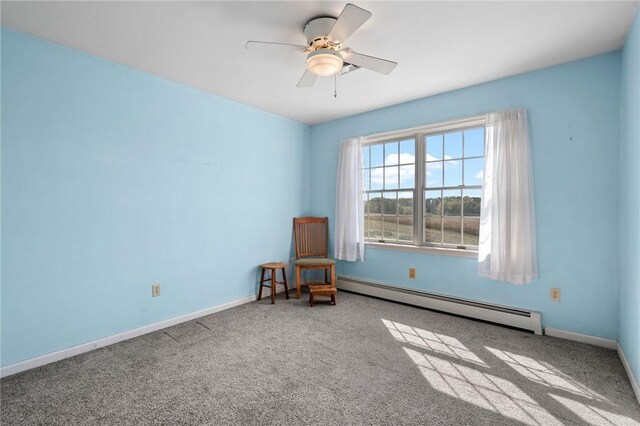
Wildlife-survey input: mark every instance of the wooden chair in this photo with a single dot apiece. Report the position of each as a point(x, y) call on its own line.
point(312, 241)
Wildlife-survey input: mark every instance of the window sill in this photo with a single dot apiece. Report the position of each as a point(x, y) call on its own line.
point(427, 250)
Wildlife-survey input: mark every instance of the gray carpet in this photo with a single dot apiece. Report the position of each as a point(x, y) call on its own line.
point(364, 361)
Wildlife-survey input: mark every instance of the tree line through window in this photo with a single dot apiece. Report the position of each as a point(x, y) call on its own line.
point(443, 197)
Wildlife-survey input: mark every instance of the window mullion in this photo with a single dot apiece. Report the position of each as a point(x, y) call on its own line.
point(462, 195)
point(442, 216)
point(442, 193)
point(384, 186)
point(462, 216)
point(418, 191)
point(398, 212)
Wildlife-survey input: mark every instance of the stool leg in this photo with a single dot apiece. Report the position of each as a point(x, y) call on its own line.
point(261, 283)
point(273, 286)
point(284, 278)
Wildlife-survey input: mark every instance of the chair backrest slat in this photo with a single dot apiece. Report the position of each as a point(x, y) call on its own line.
point(311, 236)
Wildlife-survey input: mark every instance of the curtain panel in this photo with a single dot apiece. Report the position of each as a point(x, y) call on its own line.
point(349, 231)
point(507, 247)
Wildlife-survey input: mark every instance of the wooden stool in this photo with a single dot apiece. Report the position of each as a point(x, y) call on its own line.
point(273, 267)
point(322, 290)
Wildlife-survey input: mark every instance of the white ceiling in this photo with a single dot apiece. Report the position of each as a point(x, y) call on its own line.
point(440, 46)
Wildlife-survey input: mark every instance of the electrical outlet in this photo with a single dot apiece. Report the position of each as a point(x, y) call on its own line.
point(155, 290)
point(412, 273)
point(554, 294)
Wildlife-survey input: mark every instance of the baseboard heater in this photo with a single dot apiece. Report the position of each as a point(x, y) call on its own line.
point(513, 317)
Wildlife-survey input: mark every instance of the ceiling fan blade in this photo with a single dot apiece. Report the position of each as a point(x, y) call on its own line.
point(369, 62)
point(351, 18)
point(307, 79)
point(267, 45)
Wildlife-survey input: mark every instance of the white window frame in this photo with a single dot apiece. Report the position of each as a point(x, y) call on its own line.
point(419, 134)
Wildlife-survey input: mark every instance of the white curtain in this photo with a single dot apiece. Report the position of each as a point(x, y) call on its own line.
point(349, 238)
point(507, 248)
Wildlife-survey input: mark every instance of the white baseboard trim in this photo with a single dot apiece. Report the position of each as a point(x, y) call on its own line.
point(582, 338)
point(106, 341)
point(627, 368)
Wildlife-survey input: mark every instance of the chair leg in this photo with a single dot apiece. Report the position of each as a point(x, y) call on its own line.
point(284, 279)
point(325, 276)
point(311, 299)
point(261, 283)
point(333, 276)
point(273, 286)
point(298, 272)
point(333, 299)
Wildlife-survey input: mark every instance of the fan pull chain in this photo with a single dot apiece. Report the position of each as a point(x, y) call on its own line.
point(335, 85)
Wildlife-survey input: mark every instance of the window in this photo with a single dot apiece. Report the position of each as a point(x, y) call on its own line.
point(390, 170)
point(432, 202)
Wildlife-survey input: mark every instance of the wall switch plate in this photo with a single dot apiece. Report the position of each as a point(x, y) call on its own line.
point(554, 294)
point(155, 290)
point(412, 273)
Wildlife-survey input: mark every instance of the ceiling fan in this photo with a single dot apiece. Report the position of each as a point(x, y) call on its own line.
point(325, 54)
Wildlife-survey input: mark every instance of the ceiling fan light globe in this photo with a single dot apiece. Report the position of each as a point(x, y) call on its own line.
point(324, 62)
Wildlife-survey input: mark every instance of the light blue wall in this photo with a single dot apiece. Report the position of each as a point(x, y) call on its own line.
point(113, 180)
point(576, 187)
point(630, 199)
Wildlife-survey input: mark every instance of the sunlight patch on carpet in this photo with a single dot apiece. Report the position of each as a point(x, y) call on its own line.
point(438, 343)
point(481, 389)
point(594, 415)
point(545, 375)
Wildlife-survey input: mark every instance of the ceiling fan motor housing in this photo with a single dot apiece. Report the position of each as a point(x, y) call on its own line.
point(317, 29)
point(324, 62)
